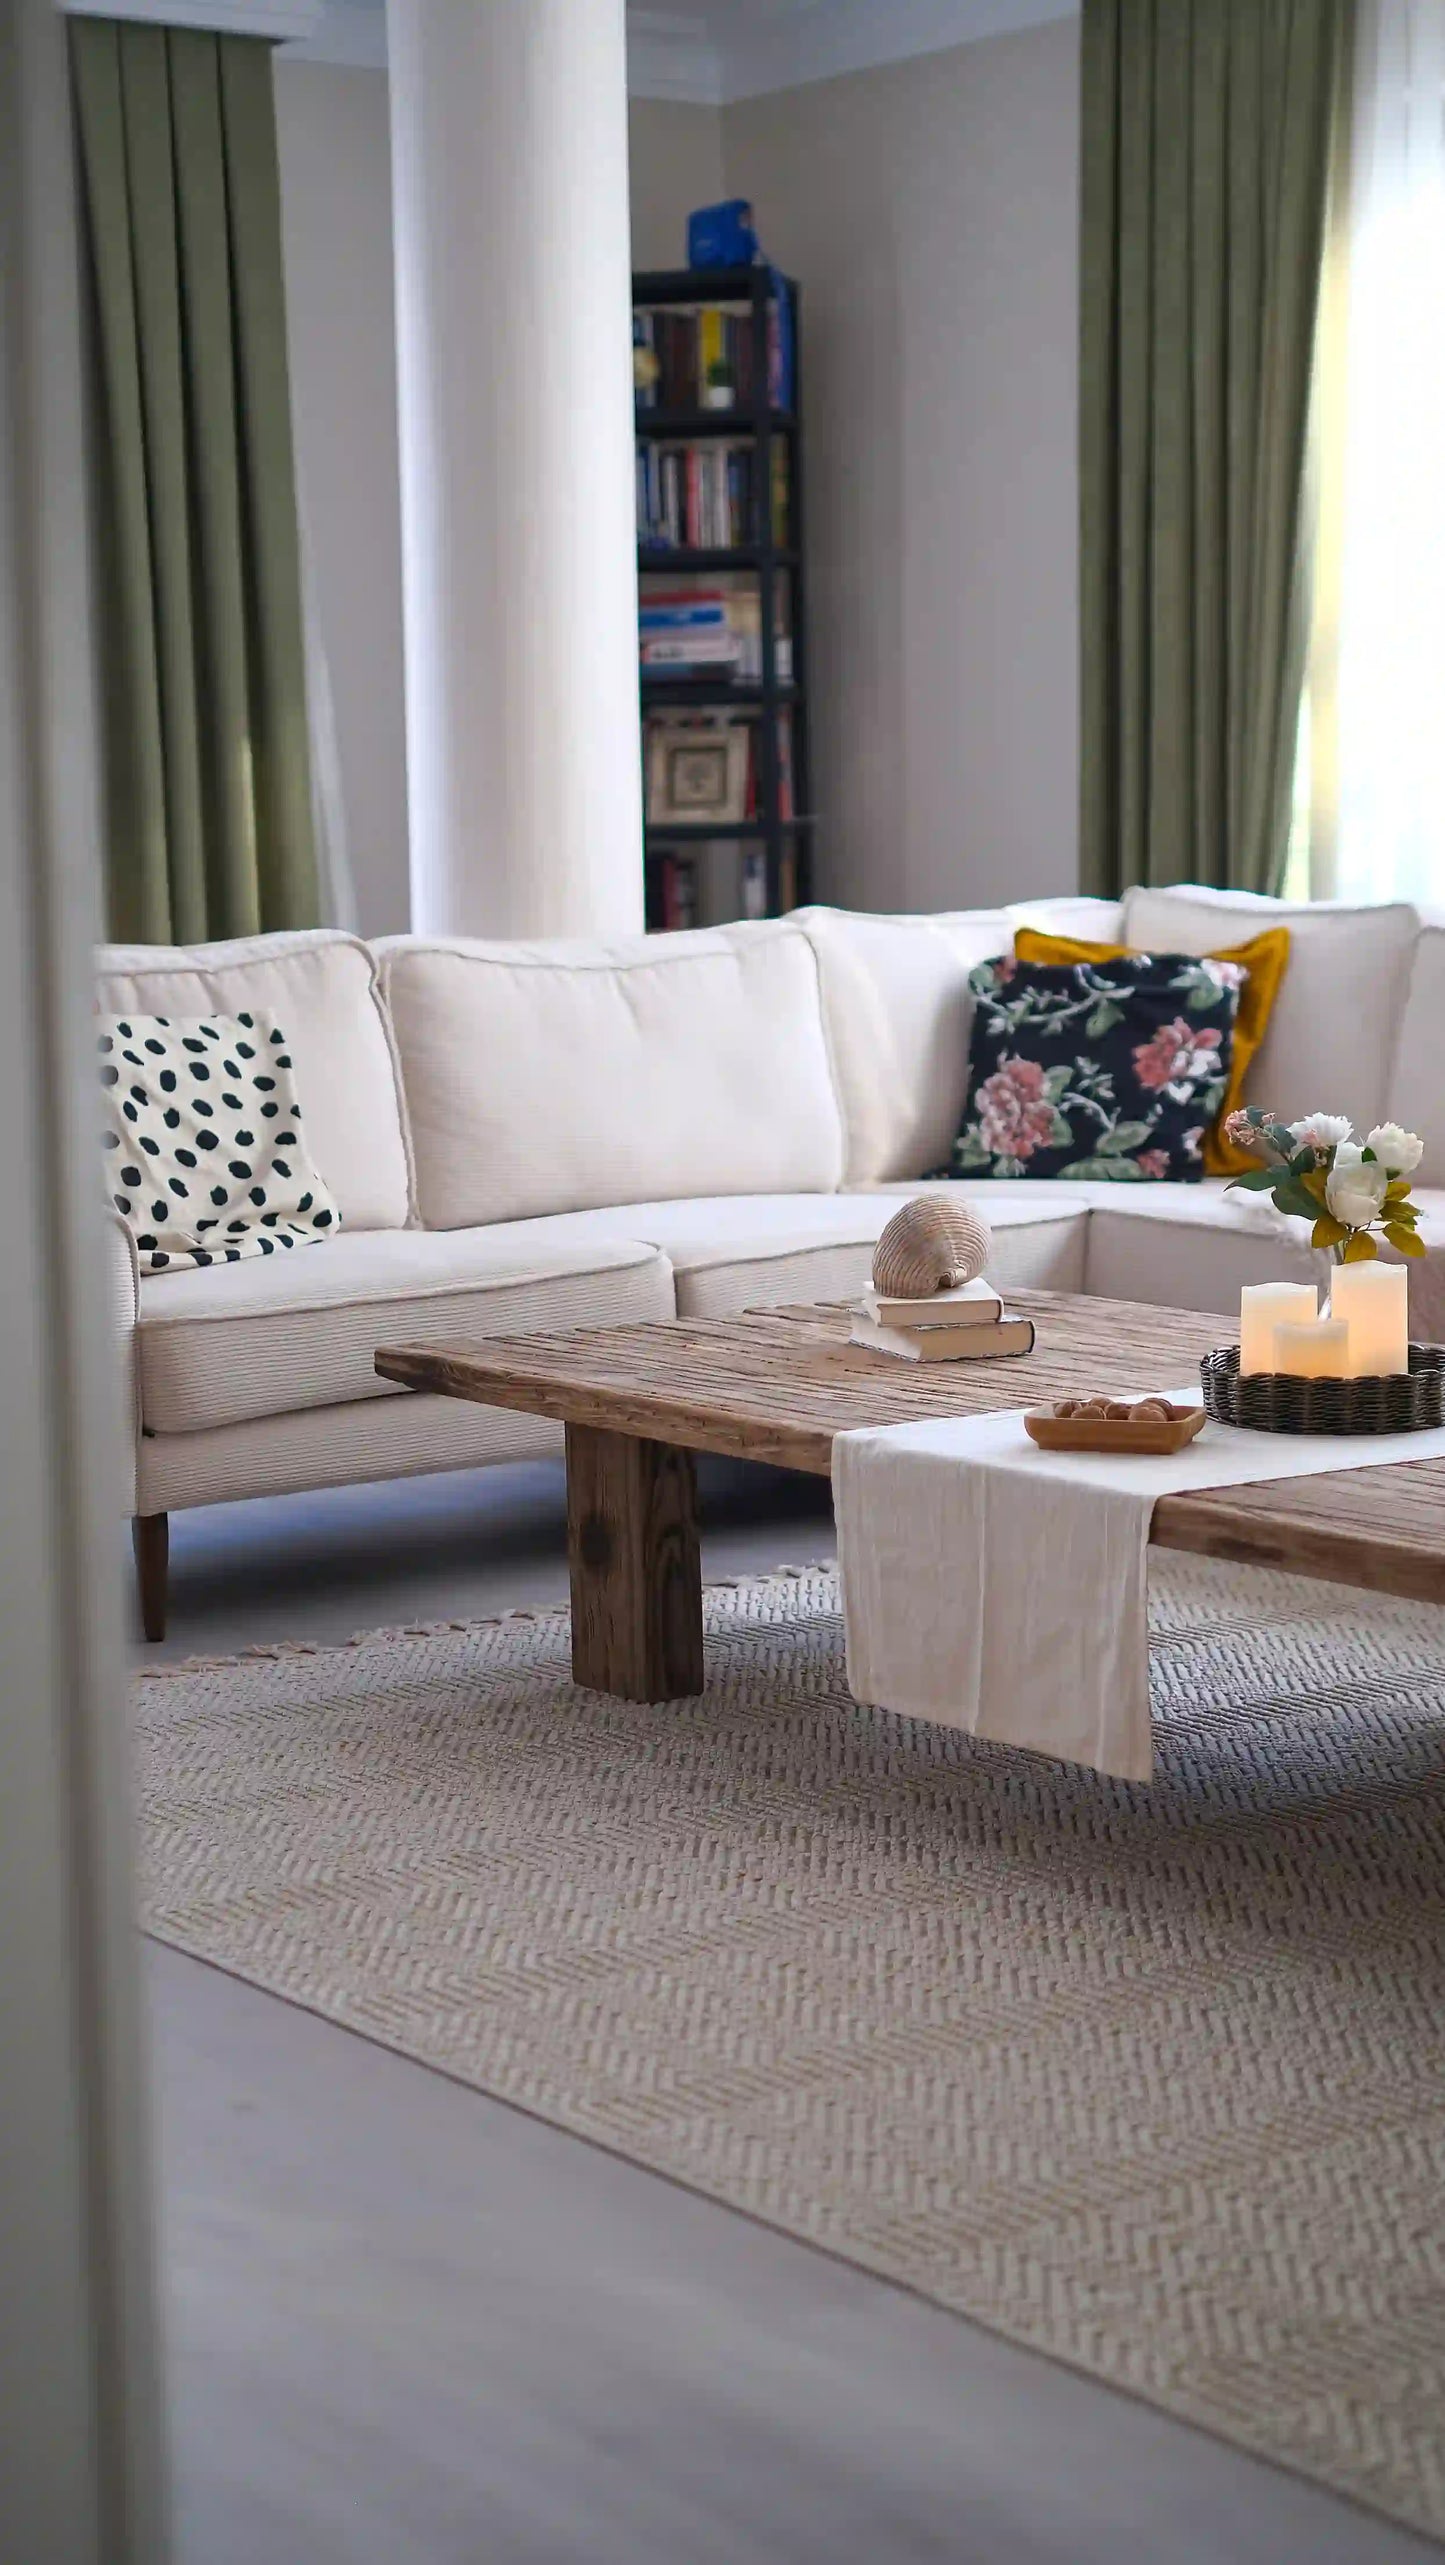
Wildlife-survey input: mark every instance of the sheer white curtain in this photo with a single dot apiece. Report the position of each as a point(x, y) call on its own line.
point(1383, 768)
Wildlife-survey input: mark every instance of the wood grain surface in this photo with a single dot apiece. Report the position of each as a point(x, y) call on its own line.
point(776, 1385)
point(636, 1574)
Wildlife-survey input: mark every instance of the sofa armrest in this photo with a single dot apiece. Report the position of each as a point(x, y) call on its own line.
point(123, 1309)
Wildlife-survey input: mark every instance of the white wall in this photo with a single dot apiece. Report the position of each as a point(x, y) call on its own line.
point(929, 211)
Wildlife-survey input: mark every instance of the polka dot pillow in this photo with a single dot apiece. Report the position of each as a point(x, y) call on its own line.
point(205, 1159)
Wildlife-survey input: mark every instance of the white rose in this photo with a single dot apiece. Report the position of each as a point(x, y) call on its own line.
point(1354, 1192)
point(1320, 1131)
point(1400, 1151)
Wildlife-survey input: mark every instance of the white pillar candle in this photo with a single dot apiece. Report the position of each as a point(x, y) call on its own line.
point(1262, 1307)
point(1374, 1302)
point(1319, 1350)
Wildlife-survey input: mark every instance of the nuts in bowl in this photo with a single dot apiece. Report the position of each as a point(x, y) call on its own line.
point(1100, 1424)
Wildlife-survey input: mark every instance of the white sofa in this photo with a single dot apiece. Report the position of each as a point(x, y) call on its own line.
point(530, 1136)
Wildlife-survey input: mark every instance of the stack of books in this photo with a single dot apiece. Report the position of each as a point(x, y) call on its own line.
point(681, 633)
point(697, 631)
point(969, 1323)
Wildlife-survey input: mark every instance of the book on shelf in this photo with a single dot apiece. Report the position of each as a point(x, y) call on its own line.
point(687, 339)
point(710, 631)
point(704, 496)
point(970, 1304)
point(710, 885)
point(1007, 1335)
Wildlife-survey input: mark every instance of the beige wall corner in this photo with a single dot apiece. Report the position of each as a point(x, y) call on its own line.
point(929, 210)
point(677, 165)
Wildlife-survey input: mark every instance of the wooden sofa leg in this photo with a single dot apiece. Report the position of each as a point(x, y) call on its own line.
point(151, 1538)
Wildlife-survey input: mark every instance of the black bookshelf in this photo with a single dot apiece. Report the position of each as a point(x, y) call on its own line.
point(786, 840)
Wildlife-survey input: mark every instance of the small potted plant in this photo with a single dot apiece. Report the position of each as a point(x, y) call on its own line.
point(1347, 1190)
point(719, 389)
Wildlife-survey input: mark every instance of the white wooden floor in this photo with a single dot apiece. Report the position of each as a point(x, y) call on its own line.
point(409, 2326)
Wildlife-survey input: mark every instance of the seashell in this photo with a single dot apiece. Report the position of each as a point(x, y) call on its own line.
point(931, 1245)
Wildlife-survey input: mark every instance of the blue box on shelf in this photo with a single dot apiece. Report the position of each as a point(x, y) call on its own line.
point(722, 235)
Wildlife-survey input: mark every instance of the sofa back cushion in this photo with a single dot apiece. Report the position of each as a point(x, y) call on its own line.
point(898, 1010)
point(320, 987)
point(565, 1077)
point(1331, 1039)
point(899, 1014)
point(1415, 1095)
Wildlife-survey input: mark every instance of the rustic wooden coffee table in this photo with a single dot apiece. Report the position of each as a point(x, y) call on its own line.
point(777, 1384)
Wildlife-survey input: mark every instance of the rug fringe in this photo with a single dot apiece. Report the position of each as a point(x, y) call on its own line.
point(274, 1649)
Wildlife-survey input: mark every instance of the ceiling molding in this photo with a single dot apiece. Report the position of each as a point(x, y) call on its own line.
point(347, 31)
point(766, 49)
point(671, 54)
point(282, 20)
point(708, 55)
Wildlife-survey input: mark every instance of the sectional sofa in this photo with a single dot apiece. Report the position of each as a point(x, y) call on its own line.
point(538, 1136)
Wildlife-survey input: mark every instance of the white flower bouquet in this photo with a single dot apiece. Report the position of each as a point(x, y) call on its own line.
point(1347, 1190)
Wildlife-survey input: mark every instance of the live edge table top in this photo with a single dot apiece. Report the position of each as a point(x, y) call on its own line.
point(776, 1385)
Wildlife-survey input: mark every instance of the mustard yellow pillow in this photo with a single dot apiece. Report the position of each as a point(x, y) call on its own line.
point(1265, 958)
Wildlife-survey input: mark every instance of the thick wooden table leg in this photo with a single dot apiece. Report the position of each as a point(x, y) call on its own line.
point(636, 1574)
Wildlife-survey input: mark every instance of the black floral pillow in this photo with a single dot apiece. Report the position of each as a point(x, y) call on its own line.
point(1112, 1069)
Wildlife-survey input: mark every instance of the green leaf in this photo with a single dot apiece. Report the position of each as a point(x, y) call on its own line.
point(1124, 1139)
point(1303, 1162)
point(1291, 1198)
point(1367, 1157)
point(1056, 1084)
point(1063, 1130)
point(969, 1151)
point(1403, 1238)
point(1104, 1017)
point(1359, 1248)
point(1257, 1180)
point(1327, 1232)
point(1116, 1170)
point(1202, 993)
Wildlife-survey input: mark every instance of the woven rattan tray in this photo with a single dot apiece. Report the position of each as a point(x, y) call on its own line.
point(1282, 1403)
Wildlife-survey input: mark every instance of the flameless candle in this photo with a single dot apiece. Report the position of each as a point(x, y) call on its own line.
point(1374, 1302)
point(1320, 1350)
point(1262, 1307)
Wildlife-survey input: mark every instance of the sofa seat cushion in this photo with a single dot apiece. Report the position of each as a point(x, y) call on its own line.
point(217, 1346)
point(548, 1078)
point(752, 1251)
point(1191, 1246)
point(320, 987)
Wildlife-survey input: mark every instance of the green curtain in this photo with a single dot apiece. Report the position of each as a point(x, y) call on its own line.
point(1207, 139)
point(209, 827)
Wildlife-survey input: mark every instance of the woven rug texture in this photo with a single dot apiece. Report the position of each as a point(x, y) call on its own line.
point(1150, 2079)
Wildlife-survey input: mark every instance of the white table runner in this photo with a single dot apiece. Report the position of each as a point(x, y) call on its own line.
point(990, 1586)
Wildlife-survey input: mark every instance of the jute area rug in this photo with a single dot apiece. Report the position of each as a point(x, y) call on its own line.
point(1149, 2079)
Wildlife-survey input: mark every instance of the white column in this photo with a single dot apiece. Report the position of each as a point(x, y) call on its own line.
point(509, 180)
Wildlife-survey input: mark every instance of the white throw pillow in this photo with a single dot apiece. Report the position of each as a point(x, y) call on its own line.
point(204, 1155)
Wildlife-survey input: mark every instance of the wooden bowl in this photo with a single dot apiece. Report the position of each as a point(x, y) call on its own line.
point(1146, 1434)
